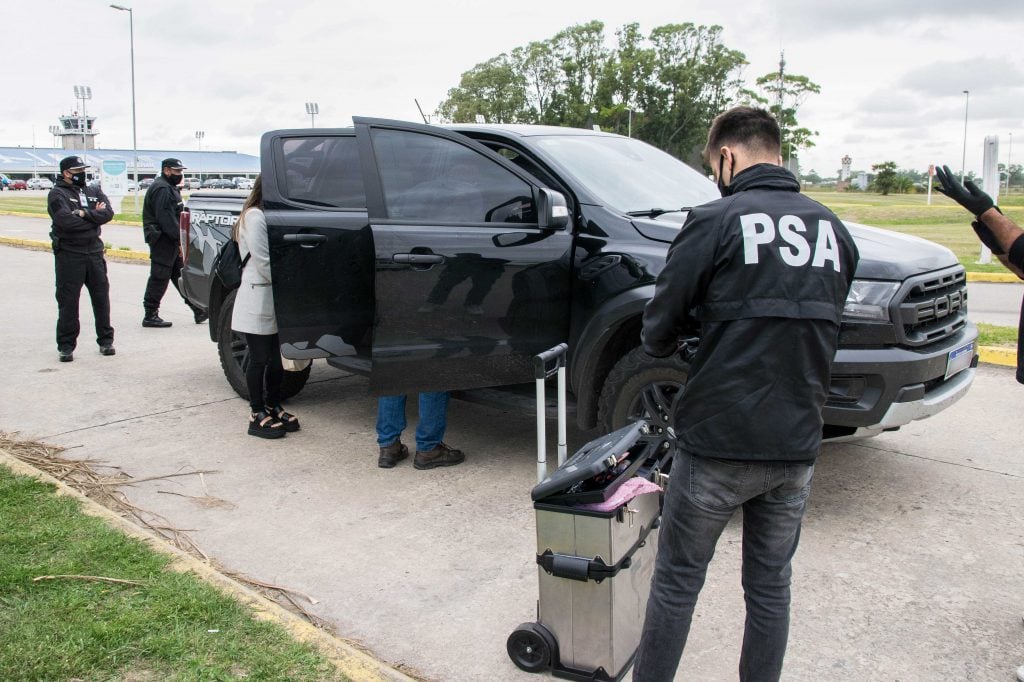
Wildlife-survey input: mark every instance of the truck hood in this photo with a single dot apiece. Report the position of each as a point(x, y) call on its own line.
point(884, 254)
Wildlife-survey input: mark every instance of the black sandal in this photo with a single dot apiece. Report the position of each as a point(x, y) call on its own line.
point(263, 425)
point(290, 421)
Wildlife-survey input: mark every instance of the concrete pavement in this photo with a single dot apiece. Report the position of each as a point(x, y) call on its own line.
point(910, 565)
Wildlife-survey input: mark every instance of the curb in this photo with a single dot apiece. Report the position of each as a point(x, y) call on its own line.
point(350, 661)
point(114, 254)
point(1004, 277)
point(998, 355)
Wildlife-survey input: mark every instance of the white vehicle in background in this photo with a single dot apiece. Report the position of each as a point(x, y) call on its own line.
point(242, 183)
point(40, 183)
point(191, 183)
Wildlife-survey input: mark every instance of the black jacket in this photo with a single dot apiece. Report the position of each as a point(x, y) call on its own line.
point(69, 232)
point(765, 273)
point(160, 212)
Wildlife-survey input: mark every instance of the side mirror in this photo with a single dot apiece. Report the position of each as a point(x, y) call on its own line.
point(552, 210)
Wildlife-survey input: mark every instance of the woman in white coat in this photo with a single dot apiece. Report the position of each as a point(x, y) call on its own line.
point(253, 317)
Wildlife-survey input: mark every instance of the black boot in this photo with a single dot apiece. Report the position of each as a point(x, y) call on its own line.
point(199, 315)
point(152, 319)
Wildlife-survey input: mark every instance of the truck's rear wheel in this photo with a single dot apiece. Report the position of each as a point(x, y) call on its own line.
point(642, 386)
point(234, 357)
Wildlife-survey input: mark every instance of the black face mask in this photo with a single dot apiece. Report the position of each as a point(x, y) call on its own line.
point(174, 178)
point(78, 179)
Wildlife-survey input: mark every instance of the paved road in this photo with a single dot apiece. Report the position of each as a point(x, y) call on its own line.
point(910, 566)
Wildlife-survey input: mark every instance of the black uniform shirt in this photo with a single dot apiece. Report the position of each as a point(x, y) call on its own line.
point(765, 272)
point(161, 210)
point(70, 232)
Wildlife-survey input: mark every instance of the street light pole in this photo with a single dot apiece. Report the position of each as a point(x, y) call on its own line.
point(1009, 162)
point(963, 162)
point(83, 93)
point(135, 149)
point(200, 134)
point(312, 108)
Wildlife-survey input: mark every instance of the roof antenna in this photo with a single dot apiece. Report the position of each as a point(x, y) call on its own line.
point(425, 119)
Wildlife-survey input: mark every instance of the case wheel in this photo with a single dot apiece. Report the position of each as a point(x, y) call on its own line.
point(531, 647)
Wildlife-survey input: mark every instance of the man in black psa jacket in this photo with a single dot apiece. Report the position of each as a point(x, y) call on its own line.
point(764, 271)
point(160, 213)
point(77, 212)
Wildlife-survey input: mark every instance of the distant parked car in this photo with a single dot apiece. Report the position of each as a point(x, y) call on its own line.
point(243, 183)
point(18, 184)
point(39, 183)
point(145, 183)
point(131, 186)
point(217, 183)
point(191, 183)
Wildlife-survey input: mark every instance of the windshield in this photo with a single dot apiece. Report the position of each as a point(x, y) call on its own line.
point(629, 175)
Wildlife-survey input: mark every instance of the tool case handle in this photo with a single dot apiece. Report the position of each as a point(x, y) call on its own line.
point(545, 365)
point(584, 569)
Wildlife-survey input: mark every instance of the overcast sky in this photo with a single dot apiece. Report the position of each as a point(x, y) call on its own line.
point(892, 72)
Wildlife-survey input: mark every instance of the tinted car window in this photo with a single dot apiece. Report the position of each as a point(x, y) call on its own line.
point(323, 171)
point(433, 179)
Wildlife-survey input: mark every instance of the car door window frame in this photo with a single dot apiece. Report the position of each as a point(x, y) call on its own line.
point(280, 169)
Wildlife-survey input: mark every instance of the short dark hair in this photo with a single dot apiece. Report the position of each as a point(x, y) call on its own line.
point(751, 127)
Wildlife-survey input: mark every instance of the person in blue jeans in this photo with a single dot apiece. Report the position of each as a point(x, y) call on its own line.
point(431, 451)
point(764, 271)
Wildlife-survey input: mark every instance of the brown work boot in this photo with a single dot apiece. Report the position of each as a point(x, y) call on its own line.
point(392, 455)
point(440, 456)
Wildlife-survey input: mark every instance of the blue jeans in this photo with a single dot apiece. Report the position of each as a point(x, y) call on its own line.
point(702, 495)
point(431, 427)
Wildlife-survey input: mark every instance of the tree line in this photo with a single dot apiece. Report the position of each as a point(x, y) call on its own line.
point(664, 87)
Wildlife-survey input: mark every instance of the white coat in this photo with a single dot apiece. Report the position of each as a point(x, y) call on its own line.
point(254, 303)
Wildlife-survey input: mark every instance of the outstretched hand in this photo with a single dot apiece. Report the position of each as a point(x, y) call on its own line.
point(967, 194)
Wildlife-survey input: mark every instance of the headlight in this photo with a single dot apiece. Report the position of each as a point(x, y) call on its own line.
point(869, 300)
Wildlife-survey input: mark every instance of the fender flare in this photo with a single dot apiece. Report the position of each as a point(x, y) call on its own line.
point(605, 325)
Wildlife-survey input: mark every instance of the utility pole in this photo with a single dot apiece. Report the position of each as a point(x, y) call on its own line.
point(312, 108)
point(963, 162)
point(780, 103)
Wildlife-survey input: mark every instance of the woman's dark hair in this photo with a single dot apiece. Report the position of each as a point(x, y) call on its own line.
point(751, 127)
point(254, 200)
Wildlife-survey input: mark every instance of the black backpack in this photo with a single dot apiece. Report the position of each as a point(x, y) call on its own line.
point(228, 264)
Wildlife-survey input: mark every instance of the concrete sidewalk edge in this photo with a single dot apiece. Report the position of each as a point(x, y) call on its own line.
point(1003, 277)
point(349, 660)
point(998, 355)
point(118, 254)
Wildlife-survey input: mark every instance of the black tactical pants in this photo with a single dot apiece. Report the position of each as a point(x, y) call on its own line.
point(72, 271)
point(156, 287)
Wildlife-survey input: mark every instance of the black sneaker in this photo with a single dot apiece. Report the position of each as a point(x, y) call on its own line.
point(200, 316)
point(392, 455)
point(440, 456)
point(107, 350)
point(65, 355)
point(155, 321)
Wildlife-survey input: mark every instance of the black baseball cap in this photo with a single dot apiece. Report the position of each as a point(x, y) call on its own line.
point(72, 162)
point(172, 163)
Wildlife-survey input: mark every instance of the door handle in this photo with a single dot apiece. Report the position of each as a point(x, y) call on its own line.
point(417, 258)
point(304, 238)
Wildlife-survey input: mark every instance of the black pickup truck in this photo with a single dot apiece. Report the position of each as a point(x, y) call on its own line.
point(430, 257)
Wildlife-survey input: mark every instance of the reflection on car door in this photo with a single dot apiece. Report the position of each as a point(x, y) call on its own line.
point(321, 248)
point(468, 285)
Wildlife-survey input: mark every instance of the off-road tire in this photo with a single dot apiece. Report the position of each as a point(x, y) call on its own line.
point(642, 386)
point(234, 355)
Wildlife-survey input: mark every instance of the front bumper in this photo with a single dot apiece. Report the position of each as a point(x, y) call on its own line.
point(874, 390)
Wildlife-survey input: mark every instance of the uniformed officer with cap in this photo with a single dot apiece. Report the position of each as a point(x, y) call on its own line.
point(160, 213)
point(77, 212)
point(765, 272)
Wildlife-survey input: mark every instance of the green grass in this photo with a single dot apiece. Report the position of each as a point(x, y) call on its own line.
point(18, 202)
point(994, 335)
point(172, 627)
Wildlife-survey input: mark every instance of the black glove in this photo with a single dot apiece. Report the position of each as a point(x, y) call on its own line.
point(987, 238)
point(967, 195)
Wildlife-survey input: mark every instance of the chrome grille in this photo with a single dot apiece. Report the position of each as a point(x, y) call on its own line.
point(931, 307)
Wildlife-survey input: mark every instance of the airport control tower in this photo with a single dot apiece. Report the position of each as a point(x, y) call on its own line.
point(76, 131)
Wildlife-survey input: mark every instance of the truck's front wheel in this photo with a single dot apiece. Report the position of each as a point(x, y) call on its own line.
point(641, 386)
point(234, 357)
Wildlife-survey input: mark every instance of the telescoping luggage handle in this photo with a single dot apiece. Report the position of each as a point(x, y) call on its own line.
point(545, 364)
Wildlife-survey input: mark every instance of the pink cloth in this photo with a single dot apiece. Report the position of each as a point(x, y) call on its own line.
point(626, 492)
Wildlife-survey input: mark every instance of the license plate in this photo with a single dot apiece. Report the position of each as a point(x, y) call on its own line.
point(959, 359)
